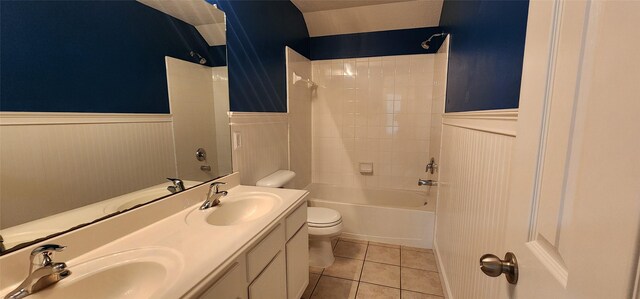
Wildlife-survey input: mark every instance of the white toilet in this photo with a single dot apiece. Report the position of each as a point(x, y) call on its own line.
point(324, 224)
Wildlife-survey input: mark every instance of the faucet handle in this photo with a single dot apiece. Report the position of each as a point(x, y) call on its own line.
point(45, 251)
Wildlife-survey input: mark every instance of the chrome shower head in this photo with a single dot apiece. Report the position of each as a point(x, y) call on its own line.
point(425, 44)
point(201, 60)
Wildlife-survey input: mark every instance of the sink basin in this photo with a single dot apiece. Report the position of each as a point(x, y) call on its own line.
point(140, 273)
point(238, 209)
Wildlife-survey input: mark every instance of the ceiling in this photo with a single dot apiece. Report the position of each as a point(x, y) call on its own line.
point(323, 17)
point(318, 5)
point(334, 17)
point(207, 19)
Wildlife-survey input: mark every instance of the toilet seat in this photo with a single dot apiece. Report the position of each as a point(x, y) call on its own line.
point(323, 217)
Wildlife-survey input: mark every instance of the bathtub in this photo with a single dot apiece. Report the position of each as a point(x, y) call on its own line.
point(400, 217)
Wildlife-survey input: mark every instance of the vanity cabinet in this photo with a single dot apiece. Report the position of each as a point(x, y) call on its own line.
point(271, 283)
point(231, 284)
point(298, 263)
point(273, 267)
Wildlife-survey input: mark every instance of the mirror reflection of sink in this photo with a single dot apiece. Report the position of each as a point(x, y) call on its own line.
point(143, 198)
point(130, 200)
point(238, 209)
point(18, 237)
point(140, 273)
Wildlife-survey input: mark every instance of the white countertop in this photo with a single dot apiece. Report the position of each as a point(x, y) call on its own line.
point(200, 249)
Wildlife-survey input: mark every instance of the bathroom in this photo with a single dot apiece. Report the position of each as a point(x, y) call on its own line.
point(319, 149)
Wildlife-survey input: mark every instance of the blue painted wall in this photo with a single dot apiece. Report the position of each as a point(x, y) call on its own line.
point(369, 44)
point(487, 49)
point(89, 56)
point(257, 33)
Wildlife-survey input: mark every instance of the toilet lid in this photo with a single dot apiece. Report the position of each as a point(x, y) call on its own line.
point(322, 216)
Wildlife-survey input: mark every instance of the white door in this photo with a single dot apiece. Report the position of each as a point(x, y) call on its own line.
point(574, 209)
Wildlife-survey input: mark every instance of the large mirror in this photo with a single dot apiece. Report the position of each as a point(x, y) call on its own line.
point(104, 107)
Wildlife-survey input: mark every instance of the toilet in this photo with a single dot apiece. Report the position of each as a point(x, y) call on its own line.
point(323, 223)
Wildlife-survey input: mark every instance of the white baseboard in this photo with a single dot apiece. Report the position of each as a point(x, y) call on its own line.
point(443, 273)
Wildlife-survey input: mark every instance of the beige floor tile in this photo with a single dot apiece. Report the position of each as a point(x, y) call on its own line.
point(315, 270)
point(372, 291)
point(350, 250)
point(344, 268)
point(416, 249)
point(419, 260)
point(313, 280)
point(386, 255)
point(415, 295)
point(353, 240)
point(421, 281)
point(384, 244)
point(335, 288)
point(381, 274)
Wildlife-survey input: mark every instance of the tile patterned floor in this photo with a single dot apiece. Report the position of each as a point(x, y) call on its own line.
point(374, 270)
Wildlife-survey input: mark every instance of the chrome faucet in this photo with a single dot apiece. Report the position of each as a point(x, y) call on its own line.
point(178, 185)
point(213, 196)
point(2, 248)
point(43, 272)
point(422, 182)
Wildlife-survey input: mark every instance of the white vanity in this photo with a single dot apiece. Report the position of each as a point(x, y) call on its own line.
point(253, 245)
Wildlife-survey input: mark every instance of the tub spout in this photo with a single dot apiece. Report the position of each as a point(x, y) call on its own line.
point(422, 182)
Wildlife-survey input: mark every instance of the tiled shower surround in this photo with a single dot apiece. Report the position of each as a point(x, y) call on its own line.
point(372, 110)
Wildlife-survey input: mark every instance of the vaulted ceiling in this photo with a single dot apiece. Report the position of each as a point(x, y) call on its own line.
point(207, 19)
point(323, 17)
point(333, 17)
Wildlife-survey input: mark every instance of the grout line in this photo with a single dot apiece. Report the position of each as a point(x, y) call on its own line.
point(381, 285)
point(362, 270)
point(400, 272)
point(421, 269)
point(316, 284)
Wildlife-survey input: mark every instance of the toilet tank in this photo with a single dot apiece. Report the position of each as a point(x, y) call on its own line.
point(277, 179)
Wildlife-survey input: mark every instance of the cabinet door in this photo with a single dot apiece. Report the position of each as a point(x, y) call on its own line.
point(298, 263)
point(231, 285)
point(271, 283)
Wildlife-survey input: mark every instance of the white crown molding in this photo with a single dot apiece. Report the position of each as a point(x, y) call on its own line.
point(66, 118)
point(502, 122)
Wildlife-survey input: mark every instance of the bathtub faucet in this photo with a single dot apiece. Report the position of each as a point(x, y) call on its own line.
point(422, 182)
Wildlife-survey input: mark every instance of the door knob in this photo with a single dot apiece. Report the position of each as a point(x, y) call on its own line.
point(493, 266)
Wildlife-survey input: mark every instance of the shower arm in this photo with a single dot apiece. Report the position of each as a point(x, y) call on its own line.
point(297, 78)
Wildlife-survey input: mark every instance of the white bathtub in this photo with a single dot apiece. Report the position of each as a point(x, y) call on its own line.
point(382, 215)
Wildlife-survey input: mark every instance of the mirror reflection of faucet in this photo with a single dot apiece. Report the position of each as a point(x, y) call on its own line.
point(178, 185)
point(43, 272)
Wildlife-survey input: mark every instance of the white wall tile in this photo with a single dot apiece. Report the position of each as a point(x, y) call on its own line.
point(376, 110)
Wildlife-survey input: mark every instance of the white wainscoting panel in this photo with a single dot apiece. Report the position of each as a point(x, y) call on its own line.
point(260, 143)
point(471, 212)
point(98, 156)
